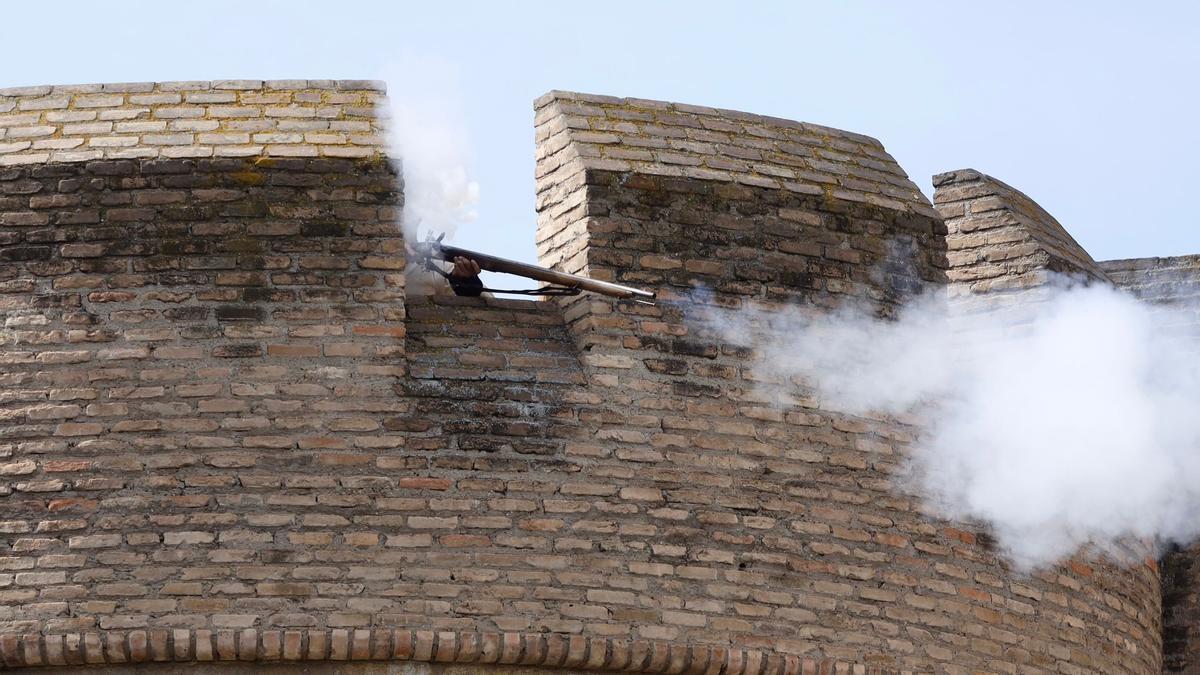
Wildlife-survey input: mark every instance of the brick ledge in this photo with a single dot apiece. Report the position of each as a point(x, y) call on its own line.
point(525, 649)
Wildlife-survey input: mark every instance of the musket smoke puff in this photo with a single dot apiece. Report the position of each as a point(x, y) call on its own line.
point(428, 137)
point(1063, 422)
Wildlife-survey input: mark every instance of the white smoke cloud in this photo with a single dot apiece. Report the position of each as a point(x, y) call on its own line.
point(427, 134)
point(427, 137)
point(1066, 420)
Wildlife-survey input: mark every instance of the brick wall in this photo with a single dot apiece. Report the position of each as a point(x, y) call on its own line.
point(1158, 280)
point(1172, 282)
point(1001, 240)
point(1005, 251)
point(229, 436)
point(769, 212)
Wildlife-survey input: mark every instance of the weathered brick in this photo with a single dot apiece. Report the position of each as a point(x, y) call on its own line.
point(95, 541)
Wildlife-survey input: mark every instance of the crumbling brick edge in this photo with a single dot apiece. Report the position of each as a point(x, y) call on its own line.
point(385, 644)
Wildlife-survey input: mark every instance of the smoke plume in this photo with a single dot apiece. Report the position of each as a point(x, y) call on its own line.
point(1064, 422)
point(427, 136)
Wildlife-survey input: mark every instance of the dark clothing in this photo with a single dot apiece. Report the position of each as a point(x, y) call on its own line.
point(470, 286)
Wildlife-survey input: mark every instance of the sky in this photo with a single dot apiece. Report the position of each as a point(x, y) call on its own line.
point(1087, 107)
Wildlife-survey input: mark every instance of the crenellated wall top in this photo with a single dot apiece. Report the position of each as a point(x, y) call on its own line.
point(687, 141)
point(222, 118)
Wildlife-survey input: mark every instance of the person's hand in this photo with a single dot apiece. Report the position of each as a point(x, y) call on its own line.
point(464, 268)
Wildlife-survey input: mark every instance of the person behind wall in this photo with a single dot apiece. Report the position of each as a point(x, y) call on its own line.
point(463, 277)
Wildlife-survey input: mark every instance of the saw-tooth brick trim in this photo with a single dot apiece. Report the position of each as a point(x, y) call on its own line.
point(384, 644)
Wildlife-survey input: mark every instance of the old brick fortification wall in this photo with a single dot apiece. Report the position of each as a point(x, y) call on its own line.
point(770, 211)
point(229, 436)
point(1004, 249)
point(1172, 282)
point(1001, 241)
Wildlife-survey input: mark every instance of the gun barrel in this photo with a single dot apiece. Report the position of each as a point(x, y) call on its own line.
point(493, 263)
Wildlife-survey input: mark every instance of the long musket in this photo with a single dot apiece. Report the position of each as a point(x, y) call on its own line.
point(434, 249)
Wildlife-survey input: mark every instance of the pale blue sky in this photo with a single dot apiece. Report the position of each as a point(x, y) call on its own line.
point(1088, 107)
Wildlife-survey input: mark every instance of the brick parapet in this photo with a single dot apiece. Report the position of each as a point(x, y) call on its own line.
point(225, 118)
point(999, 239)
point(590, 147)
point(1172, 282)
point(657, 138)
point(1166, 280)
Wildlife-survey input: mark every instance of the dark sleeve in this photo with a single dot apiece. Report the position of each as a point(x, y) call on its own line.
point(470, 286)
